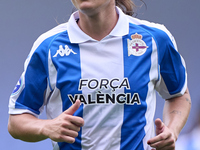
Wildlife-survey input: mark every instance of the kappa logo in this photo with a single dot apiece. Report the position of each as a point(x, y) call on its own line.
point(136, 46)
point(64, 52)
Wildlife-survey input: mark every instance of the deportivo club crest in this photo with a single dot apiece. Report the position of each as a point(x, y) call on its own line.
point(136, 46)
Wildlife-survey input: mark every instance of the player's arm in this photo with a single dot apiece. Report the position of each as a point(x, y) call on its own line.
point(64, 128)
point(175, 114)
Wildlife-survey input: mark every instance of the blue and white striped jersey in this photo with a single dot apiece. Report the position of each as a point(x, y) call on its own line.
point(115, 79)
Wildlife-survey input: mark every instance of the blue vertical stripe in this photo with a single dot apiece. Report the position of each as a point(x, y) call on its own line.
point(136, 69)
point(69, 74)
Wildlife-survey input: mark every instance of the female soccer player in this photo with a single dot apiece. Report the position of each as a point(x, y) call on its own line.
point(97, 76)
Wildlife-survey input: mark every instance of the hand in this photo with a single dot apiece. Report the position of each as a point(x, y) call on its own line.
point(65, 127)
point(165, 139)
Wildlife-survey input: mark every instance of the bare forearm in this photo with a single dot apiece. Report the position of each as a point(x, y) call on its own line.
point(176, 112)
point(26, 127)
point(63, 128)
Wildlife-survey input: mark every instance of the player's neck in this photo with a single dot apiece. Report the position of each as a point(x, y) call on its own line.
point(100, 25)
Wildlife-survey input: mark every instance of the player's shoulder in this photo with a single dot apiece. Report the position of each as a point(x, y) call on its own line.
point(53, 32)
point(43, 42)
point(156, 29)
point(46, 38)
point(147, 24)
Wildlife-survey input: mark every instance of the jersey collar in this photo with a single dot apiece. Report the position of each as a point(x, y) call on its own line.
point(76, 35)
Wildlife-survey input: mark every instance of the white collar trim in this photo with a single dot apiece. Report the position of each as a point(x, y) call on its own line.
point(76, 35)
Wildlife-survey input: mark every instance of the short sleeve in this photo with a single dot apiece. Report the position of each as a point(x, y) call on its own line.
point(172, 69)
point(28, 94)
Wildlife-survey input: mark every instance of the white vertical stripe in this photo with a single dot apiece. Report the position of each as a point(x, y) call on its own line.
point(151, 97)
point(54, 98)
point(104, 59)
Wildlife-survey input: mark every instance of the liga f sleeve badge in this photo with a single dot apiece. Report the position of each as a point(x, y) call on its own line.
point(136, 46)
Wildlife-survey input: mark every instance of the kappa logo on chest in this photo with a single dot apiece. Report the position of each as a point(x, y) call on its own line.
point(64, 51)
